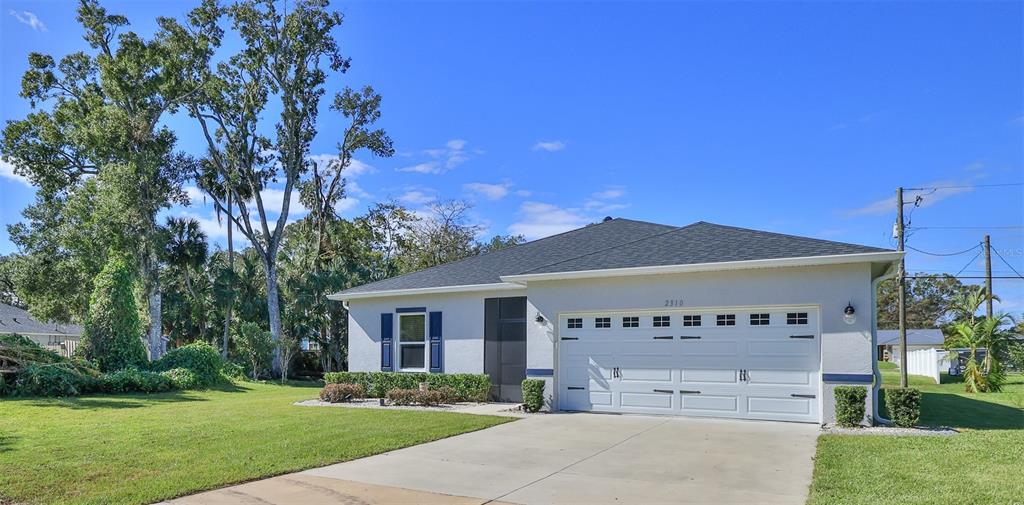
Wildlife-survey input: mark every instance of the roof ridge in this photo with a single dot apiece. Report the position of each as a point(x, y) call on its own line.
point(790, 235)
point(609, 248)
point(502, 250)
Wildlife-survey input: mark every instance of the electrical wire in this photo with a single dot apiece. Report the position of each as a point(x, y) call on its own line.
point(1007, 262)
point(965, 251)
point(967, 186)
point(969, 263)
point(966, 227)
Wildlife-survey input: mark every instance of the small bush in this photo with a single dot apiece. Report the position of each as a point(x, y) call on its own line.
point(337, 393)
point(850, 405)
point(52, 380)
point(904, 406)
point(233, 371)
point(182, 378)
point(449, 394)
point(533, 394)
point(133, 380)
point(428, 398)
point(470, 387)
point(201, 358)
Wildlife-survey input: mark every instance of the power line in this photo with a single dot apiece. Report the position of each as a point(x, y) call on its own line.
point(969, 263)
point(963, 186)
point(965, 251)
point(1008, 263)
point(965, 227)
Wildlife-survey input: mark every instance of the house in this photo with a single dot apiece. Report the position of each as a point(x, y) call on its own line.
point(917, 339)
point(628, 316)
point(61, 338)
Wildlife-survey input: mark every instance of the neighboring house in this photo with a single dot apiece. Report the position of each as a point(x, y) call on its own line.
point(917, 339)
point(61, 338)
point(634, 317)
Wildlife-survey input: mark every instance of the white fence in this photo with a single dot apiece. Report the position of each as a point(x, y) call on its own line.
point(927, 362)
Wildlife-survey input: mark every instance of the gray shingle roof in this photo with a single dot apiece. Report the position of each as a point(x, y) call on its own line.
point(914, 337)
point(15, 320)
point(618, 243)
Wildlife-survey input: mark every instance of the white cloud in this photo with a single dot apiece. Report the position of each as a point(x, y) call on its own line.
point(611, 193)
point(429, 167)
point(523, 193)
point(544, 219)
point(489, 191)
point(7, 172)
point(29, 19)
point(273, 199)
point(416, 197)
point(346, 204)
point(445, 158)
point(355, 167)
point(549, 146)
point(928, 196)
point(456, 144)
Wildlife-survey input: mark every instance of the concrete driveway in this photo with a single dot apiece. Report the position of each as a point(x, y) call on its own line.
point(566, 458)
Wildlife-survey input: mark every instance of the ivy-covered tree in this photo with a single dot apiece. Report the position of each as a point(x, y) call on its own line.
point(254, 345)
point(112, 337)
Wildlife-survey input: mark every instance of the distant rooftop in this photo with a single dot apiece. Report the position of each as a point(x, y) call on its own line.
point(15, 320)
point(914, 337)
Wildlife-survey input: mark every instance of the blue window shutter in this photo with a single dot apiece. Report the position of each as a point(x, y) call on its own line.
point(387, 333)
point(436, 358)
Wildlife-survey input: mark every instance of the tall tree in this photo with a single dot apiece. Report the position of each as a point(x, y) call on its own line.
point(186, 250)
point(283, 60)
point(442, 236)
point(930, 301)
point(99, 112)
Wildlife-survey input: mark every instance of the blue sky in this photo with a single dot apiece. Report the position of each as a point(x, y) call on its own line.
point(800, 118)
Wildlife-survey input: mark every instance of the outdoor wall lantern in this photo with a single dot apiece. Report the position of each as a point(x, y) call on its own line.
point(540, 319)
point(849, 314)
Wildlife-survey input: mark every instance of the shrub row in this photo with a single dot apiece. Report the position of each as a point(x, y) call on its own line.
point(337, 393)
point(465, 386)
point(427, 398)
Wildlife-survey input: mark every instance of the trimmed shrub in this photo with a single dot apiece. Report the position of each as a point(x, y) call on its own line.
point(112, 335)
point(233, 371)
point(133, 380)
point(904, 406)
point(850, 405)
point(201, 358)
point(428, 398)
point(182, 378)
point(337, 393)
point(468, 387)
point(533, 394)
point(449, 394)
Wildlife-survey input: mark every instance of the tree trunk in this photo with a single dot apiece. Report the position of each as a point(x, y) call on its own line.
point(155, 321)
point(274, 313)
point(231, 266)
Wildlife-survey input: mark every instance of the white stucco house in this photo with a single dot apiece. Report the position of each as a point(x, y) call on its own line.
point(627, 316)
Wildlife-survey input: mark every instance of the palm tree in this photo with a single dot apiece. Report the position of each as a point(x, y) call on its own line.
point(995, 335)
point(965, 305)
point(186, 251)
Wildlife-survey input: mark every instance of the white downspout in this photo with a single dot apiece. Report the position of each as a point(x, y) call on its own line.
point(889, 273)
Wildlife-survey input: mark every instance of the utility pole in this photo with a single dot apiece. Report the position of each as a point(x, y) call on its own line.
point(988, 277)
point(902, 283)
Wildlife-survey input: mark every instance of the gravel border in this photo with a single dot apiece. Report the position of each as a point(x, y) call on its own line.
point(374, 403)
point(890, 430)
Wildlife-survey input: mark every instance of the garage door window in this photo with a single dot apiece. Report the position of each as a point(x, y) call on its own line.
point(726, 319)
point(662, 321)
point(631, 322)
point(796, 318)
point(575, 323)
point(412, 331)
point(602, 322)
point(760, 319)
point(691, 320)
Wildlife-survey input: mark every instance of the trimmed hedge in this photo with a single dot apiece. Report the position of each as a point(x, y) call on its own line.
point(467, 386)
point(533, 394)
point(199, 357)
point(337, 393)
point(904, 406)
point(850, 405)
point(427, 398)
point(133, 380)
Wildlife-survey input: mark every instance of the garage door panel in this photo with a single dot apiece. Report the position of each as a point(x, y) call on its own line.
point(646, 400)
point(789, 348)
point(708, 347)
point(646, 375)
point(775, 405)
point(779, 377)
point(710, 404)
point(699, 376)
point(600, 398)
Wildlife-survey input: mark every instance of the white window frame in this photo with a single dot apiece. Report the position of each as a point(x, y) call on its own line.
point(424, 342)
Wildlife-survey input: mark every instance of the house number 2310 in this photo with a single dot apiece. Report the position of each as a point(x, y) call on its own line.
point(675, 302)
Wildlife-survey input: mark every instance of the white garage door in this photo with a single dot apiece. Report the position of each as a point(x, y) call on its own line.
point(749, 363)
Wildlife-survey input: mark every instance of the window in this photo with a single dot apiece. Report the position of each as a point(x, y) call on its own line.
point(662, 321)
point(691, 320)
point(602, 322)
point(412, 333)
point(631, 322)
point(575, 323)
point(309, 345)
point(760, 319)
point(796, 318)
point(726, 319)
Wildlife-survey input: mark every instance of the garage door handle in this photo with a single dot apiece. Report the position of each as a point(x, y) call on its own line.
point(803, 396)
point(663, 391)
point(576, 388)
point(663, 338)
point(688, 392)
point(688, 337)
point(570, 338)
point(802, 336)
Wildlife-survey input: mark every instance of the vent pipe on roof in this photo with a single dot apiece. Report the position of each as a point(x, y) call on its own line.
point(606, 219)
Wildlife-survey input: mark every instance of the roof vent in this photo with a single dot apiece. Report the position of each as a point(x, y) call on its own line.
point(606, 219)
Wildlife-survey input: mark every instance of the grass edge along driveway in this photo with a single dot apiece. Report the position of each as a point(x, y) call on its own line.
point(146, 448)
point(981, 465)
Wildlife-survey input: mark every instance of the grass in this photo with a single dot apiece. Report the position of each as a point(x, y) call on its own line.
point(146, 448)
point(980, 465)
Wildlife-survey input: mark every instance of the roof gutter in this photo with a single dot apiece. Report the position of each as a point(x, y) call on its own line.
point(837, 259)
point(497, 286)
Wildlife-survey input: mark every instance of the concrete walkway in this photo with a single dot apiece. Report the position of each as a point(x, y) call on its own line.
point(566, 458)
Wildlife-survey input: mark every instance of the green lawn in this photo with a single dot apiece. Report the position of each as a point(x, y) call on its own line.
point(145, 448)
point(981, 465)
